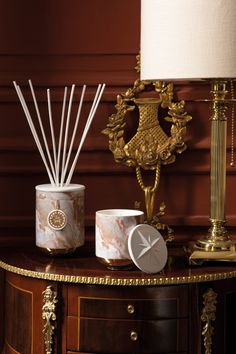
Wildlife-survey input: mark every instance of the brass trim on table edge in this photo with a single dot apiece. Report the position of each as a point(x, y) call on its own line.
point(108, 280)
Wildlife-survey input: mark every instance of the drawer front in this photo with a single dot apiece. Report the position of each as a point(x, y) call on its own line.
point(127, 336)
point(128, 309)
point(128, 303)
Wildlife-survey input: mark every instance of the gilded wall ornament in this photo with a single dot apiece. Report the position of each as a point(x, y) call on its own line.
point(151, 146)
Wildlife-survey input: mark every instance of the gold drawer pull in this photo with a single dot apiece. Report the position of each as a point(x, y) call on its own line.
point(130, 309)
point(133, 336)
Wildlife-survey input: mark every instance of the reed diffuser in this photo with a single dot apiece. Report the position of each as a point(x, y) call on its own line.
point(59, 204)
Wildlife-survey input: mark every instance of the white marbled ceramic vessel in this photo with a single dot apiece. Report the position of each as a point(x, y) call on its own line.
point(113, 227)
point(59, 218)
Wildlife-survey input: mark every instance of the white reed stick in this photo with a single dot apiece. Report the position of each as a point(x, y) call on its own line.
point(33, 130)
point(54, 174)
point(93, 109)
point(60, 134)
point(52, 134)
point(66, 132)
point(73, 134)
point(42, 129)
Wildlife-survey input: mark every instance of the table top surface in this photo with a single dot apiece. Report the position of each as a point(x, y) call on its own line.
point(82, 267)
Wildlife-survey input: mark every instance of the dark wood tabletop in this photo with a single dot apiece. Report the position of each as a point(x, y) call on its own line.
point(83, 267)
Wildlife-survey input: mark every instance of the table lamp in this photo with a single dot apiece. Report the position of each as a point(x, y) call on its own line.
point(191, 40)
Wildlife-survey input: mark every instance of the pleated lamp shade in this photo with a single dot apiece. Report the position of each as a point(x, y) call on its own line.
point(188, 39)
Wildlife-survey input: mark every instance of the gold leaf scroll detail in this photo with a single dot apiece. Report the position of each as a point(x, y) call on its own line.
point(49, 315)
point(208, 316)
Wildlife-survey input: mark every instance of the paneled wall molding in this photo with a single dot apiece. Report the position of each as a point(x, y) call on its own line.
point(56, 43)
point(18, 157)
point(196, 222)
point(96, 141)
point(116, 82)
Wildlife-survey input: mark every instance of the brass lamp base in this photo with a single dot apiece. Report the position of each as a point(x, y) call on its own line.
point(215, 246)
point(208, 245)
point(198, 256)
point(216, 239)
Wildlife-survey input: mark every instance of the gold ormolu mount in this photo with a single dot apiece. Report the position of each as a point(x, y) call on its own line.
point(150, 147)
point(216, 245)
point(49, 315)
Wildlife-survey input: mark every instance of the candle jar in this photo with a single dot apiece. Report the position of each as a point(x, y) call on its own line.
point(59, 218)
point(113, 227)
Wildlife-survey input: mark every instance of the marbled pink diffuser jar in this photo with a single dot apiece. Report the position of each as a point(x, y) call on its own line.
point(59, 218)
point(113, 227)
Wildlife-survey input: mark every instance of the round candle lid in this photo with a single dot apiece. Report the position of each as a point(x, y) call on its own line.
point(147, 248)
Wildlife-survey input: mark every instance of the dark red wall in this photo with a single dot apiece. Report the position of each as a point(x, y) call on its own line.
point(60, 42)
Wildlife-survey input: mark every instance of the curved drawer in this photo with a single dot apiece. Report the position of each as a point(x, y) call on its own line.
point(127, 336)
point(151, 303)
point(130, 308)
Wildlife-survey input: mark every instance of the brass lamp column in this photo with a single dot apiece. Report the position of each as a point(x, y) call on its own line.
point(193, 40)
point(217, 238)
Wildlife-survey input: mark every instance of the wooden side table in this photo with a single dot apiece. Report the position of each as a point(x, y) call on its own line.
point(75, 305)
